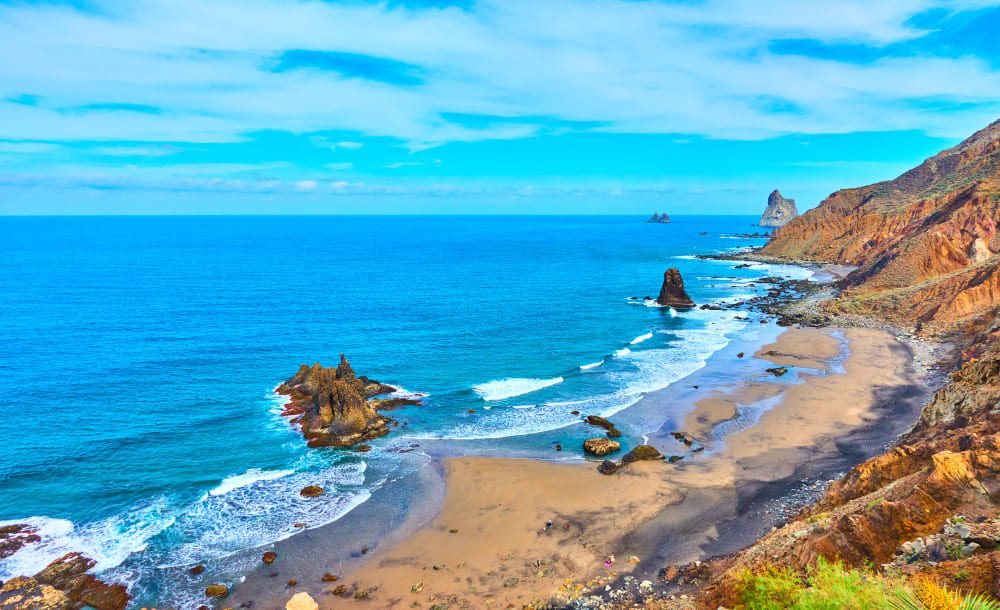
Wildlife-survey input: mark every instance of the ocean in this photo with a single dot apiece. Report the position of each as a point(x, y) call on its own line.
point(138, 358)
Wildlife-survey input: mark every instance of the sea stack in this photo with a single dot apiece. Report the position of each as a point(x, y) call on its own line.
point(659, 218)
point(332, 405)
point(779, 211)
point(672, 292)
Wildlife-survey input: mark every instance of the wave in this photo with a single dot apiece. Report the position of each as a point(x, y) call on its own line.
point(512, 386)
point(591, 365)
point(641, 338)
point(623, 352)
point(248, 478)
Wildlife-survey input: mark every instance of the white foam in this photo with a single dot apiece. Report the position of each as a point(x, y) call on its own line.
point(641, 338)
point(513, 386)
point(591, 365)
point(623, 352)
point(248, 478)
point(652, 303)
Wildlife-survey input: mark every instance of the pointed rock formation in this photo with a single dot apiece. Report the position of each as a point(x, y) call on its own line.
point(332, 406)
point(672, 292)
point(659, 218)
point(779, 211)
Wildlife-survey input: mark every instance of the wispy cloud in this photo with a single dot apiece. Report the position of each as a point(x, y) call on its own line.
point(339, 166)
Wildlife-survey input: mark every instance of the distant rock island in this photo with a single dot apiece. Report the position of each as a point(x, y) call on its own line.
point(333, 406)
point(659, 218)
point(672, 292)
point(779, 211)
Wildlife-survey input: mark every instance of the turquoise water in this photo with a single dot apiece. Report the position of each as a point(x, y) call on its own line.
point(138, 357)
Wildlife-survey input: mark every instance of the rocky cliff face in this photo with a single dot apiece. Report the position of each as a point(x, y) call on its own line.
point(659, 218)
point(63, 585)
point(333, 407)
point(924, 243)
point(672, 291)
point(778, 212)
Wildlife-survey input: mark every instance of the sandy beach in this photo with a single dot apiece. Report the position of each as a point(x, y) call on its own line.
point(489, 544)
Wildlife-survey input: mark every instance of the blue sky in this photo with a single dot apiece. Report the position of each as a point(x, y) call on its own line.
point(513, 106)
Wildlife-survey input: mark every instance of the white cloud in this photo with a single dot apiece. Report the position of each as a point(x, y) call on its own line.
point(339, 166)
point(698, 68)
point(29, 147)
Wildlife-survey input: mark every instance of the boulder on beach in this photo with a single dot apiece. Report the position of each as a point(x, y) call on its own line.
point(311, 491)
point(600, 446)
point(639, 453)
point(672, 292)
point(63, 585)
point(269, 557)
point(301, 601)
point(217, 591)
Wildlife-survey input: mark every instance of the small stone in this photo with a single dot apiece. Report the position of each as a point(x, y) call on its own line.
point(311, 491)
point(300, 525)
point(198, 569)
point(292, 582)
point(330, 578)
point(739, 355)
point(364, 551)
point(438, 566)
point(417, 588)
point(453, 531)
point(511, 582)
point(361, 595)
point(269, 557)
point(340, 590)
point(558, 447)
point(646, 584)
point(217, 591)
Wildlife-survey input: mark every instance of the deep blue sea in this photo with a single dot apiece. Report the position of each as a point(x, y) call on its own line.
point(138, 357)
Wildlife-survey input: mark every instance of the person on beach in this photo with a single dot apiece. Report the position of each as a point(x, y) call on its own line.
point(610, 562)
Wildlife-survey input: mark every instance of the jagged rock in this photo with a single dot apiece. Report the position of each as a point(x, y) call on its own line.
point(269, 557)
point(777, 371)
point(641, 452)
point(23, 593)
point(14, 537)
point(672, 292)
point(607, 467)
point(596, 420)
point(69, 575)
point(659, 218)
point(332, 406)
point(600, 446)
point(311, 491)
point(301, 601)
point(779, 211)
point(329, 578)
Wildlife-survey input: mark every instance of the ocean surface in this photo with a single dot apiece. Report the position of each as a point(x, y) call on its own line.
point(138, 357)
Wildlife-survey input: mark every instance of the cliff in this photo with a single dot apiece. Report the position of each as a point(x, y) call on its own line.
point(779, 211)
point(927, 508)
point(332, 406)
point(659, 218)
point(924, 244)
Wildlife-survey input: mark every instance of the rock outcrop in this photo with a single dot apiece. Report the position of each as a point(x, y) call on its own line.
point(659, 218)
point(640, 453)
point(924, 244)
point(63, 585)
point(778, 212)
point(672, 292)
point(335, 407)
point(13, 537)
point(600, 446)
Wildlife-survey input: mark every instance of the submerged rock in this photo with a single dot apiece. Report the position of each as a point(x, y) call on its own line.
point(600, 446)
point(672, 292)
point(779, 211)
point(332, 406)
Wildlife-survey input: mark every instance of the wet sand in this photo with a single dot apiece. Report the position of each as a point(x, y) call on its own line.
point(488, 546)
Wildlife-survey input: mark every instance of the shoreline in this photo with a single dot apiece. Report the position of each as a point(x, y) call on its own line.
point(671, 500)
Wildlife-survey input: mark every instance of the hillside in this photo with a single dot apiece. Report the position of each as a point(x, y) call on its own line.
point(925, 244)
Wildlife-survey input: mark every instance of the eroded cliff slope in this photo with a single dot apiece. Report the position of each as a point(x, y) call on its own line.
point(925, 244)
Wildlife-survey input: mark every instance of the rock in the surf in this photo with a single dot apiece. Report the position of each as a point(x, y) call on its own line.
point(600, 446)
point(336, 408)
point(672, 292)
point(777, 371)
point(311, 491)
point(659, 218)
point(217, 591)
point(14, 537)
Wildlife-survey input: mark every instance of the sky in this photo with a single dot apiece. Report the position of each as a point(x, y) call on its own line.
point(468, 106)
